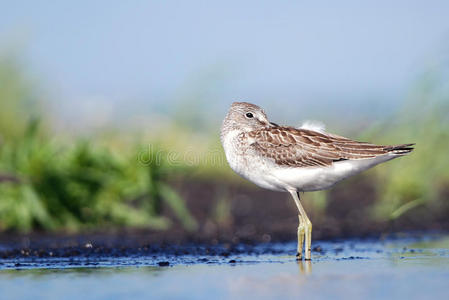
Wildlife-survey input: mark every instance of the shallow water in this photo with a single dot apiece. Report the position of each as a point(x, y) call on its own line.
point(415, 268)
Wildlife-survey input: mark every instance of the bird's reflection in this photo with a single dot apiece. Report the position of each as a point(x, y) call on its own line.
point(305, 267)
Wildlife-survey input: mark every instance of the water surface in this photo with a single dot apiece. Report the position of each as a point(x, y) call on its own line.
point(399, 268)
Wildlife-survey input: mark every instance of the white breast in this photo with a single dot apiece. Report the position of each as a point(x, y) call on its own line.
point(243, 161)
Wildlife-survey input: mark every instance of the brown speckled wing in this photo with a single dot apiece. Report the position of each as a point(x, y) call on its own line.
point(305, 148)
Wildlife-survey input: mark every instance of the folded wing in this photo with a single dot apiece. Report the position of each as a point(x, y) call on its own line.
point(289, 146)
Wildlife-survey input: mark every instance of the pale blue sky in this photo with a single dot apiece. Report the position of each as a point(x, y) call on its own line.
point(315, 52)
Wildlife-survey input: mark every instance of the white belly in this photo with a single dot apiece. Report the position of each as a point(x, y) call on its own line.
point(320, 178)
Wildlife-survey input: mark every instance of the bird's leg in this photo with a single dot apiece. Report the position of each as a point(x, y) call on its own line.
point(307, 225)
point(301, 232)
point(308, 237)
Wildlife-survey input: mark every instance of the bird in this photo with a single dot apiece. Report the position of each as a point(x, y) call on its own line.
point(295, 160)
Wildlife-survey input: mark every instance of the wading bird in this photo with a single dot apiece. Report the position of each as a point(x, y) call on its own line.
point(294, 160)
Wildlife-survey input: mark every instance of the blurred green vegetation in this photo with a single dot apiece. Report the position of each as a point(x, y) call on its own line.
point(52, 183)
point(421, 179)
point(16, 98)
point(47, 183)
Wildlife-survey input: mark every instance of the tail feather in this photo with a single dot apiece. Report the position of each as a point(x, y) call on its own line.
point(400, 149)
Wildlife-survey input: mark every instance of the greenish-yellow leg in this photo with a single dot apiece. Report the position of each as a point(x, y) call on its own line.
point(304, 230)
point(301, 232)
point(308, 238)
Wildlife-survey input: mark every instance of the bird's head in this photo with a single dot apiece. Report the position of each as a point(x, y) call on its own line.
point(244, 116)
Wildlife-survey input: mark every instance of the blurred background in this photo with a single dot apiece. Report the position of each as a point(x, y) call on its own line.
point(110, 114)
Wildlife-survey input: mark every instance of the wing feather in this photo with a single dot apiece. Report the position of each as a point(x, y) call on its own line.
point(306, 148)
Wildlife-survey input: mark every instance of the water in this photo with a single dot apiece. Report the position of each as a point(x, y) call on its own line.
point(400, 268)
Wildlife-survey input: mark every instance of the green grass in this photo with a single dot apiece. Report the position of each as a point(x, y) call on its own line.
point(418, 179)
point(81, 185)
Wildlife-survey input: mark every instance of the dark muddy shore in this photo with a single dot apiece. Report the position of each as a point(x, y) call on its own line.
point(259, 215)
point(251, 216)
point(256, 223)
point(85, 251)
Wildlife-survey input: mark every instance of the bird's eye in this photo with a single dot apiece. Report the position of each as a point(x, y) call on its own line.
point(249, 115)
